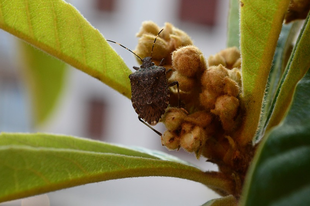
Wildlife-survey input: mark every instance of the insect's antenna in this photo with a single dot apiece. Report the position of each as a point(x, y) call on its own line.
point(155, 41)
point(125, 48)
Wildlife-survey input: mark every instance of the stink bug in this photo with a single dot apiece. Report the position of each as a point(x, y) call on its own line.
point(150, 89)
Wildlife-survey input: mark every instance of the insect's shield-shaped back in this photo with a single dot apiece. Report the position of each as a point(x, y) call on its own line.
point(150, 95)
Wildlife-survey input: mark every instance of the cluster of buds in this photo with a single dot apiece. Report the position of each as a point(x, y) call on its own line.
point(210, 100)
point(188, 131)
point(168, 40)
point(208, 90)
point(221, 84)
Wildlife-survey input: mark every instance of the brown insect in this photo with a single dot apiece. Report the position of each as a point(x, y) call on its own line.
point(150, 89)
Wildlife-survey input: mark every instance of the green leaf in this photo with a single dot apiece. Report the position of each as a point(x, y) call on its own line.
point(279, 174)
point(296, 68)
point(31, 164)
point(260, 26)
point(284, 47)
point(233, 33)
point(59, 29)
point(45, 77)
point(66, 142)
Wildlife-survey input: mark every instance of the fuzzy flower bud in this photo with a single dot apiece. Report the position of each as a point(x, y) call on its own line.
point(237, 64)
point(148, 27)
point(231, 55)
point(226, 107)
point(213, 78)
point(200, 118)
point(173, 118)
point(192, 137)
point(231, 87)
point(207, 99)
point(215, 60)
point(170, 140)
point(168, 40)
point(186, 84)
point(144, 47)
point(188, 61)
point(235, 75)
point(176, 37)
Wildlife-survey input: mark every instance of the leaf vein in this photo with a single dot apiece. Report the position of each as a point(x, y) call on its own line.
point(73, 162)
point(57, 40)
point(252, 34)
point(82, 38)
point(261, 16)
point(29, 19)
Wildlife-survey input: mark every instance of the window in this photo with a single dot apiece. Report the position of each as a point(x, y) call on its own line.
point(105, 5)
point(198, 11)
point(95, 118)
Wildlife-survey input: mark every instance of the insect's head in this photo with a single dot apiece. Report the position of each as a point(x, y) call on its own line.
point(147, 62)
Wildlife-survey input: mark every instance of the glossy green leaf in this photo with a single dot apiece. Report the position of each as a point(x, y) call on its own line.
point(31, 164)
point(260, 26)
point(280, 171)
point(59, 29)
point(284, 47)
point(233, 33)
point(297, 66)
point(45, 77)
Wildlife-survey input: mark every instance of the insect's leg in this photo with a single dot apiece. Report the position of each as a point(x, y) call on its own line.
point(157, 132)
point(161, 63)
point(176, 83)
point(136, 68)
point(169, 70)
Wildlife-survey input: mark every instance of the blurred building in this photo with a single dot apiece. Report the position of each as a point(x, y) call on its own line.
point(90, 109)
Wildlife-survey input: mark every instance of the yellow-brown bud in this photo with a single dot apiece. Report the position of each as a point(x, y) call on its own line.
point(148, 27)
point(170, 33)
point(170, 140)
point(192, 137)
point(168, 30)
point(231, 87)
point(231, 55)
point(235, 74)
point(145, 44)
point(200, 118)
point(207, 99)
point(186, 84)
point(237, 64)
point(213, 78)
point(188, 61)
point(167, 41)
point(177, 37)
point(215, 60)
point(226, 107)
point(173, 118)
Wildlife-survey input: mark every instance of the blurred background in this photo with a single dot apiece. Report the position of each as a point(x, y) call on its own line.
point(87, 108)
